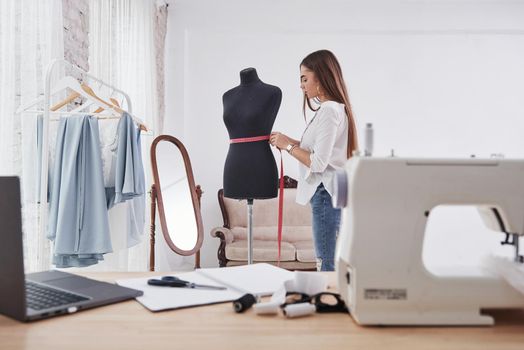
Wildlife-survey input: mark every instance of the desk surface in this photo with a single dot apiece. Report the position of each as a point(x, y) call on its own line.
point(128, 325)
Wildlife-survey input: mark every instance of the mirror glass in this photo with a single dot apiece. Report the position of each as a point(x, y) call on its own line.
point(177, 200)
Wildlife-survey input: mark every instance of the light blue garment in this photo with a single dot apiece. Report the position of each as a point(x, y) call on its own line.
point(136, 211)
point(129, 170)
point(129, 179)
point(78, 217)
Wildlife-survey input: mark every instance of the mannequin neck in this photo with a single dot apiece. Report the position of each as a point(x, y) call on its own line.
point(249, 76)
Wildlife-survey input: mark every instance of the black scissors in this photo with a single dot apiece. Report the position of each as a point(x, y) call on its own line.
point(172, 281)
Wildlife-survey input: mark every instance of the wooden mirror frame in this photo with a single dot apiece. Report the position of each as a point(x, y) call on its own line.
point(156, 200)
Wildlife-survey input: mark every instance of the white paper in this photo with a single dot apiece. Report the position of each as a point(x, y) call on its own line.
point(157, 298)
point(258, 279)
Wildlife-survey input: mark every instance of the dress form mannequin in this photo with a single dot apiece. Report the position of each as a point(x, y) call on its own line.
point(250, 109)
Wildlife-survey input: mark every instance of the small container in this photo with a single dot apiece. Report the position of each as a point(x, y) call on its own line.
point(368, 145)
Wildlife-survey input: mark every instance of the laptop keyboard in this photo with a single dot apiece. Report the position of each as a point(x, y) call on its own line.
point(40, 297)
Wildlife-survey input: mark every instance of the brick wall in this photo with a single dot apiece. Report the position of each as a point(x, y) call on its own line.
point(76, 32)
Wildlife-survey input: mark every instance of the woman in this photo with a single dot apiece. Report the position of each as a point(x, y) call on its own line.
point(327, 142)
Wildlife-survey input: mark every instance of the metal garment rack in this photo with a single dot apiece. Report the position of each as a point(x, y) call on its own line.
point(46, 113)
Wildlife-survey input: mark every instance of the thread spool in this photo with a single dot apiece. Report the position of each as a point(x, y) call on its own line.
point(244, 302)
point(299, 310)
point(368, 149)
point(266, 308)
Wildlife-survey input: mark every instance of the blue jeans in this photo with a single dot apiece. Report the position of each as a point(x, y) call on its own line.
point(326, 223)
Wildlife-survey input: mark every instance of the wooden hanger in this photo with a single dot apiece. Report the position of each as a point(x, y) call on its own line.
point(81, 90)
point(113, 101)
point(76, 90)
point(68, 100)
point(113, 105)
point(86, 91)
point(108, 105)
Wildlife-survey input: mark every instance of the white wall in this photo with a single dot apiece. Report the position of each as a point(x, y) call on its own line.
point(436, 78)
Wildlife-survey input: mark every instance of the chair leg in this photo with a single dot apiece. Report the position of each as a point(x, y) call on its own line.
point(221, 254)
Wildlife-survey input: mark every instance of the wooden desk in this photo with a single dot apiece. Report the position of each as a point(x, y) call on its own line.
point(128, 325)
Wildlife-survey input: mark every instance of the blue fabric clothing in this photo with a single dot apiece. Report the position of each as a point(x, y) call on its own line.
point(326, 223)
point(78, 217)
point(129, 179)
point(78, 222)
point(136, 211)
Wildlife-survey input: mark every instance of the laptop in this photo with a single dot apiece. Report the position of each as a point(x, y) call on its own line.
point(43, 294)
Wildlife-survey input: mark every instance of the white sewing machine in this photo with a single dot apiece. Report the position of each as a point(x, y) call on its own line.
point(381, 274)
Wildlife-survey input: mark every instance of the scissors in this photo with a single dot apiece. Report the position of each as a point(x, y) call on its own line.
point(172, 281)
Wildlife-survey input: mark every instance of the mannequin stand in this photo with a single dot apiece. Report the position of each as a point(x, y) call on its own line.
point(250, 231)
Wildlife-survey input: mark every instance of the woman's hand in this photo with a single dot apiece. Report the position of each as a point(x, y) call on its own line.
point(280, 140)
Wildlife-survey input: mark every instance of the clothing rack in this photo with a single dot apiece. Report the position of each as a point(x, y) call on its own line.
point(46, 112)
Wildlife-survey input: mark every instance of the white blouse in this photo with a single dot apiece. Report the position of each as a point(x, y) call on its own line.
point(326, 138)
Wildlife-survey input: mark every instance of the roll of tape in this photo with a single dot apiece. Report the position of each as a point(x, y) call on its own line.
point(299, 310)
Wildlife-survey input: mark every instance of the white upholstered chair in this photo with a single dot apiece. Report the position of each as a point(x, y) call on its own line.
point(297, 250)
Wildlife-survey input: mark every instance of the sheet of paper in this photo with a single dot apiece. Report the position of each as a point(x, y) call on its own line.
point(157, 298)
point(259, 279)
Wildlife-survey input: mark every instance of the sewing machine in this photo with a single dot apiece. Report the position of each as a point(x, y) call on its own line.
point(387, 201)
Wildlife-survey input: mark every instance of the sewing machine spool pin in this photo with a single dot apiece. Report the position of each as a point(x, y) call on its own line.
point(514, 237)
point(518, 258)
point(514, 242)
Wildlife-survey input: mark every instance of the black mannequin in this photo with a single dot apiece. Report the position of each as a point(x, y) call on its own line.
point(250, 109)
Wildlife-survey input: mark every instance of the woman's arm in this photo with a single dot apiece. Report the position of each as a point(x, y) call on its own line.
point(281, 141)
point(294, 142)
point(325, 135)
point(302, 155)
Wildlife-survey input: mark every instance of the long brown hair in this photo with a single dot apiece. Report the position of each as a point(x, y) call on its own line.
point(329, 74)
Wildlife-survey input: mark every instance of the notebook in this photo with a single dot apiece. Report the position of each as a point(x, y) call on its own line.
point(259, 279)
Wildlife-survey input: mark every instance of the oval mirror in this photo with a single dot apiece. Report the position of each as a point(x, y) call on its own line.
point(177, 198)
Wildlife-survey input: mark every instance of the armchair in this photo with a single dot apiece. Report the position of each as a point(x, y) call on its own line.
point(297, 250)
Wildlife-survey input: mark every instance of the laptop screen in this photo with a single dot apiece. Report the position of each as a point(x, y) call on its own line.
point(12, 277)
